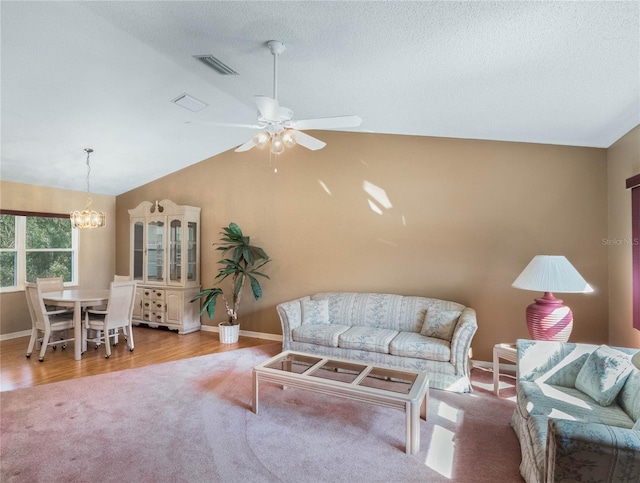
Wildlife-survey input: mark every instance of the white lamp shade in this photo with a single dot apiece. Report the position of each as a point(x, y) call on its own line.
point(549, 273)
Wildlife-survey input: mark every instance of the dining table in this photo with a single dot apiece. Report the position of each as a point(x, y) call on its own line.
point(77, 299)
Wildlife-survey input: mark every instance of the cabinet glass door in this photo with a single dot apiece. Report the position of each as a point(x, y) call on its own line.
point(192, 251)
point(175, 250)
point(155, 251)
point(138, 250)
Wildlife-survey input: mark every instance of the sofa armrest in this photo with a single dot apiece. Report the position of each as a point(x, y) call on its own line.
point(580, 451)
point(461, 341)
point(290, 317)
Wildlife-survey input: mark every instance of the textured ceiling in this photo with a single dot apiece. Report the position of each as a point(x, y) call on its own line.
point(101, 74)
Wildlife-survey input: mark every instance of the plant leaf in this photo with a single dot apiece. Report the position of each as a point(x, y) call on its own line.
point(235, 229)
point(210, 296)
point(255, 287)
point(238, 286)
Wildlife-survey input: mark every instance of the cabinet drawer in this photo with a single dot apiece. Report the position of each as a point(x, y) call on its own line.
point(150, 304)
point(158, 306)
point(153, 317)
point(153, 294)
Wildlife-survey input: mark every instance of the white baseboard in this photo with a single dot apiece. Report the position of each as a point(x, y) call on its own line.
point(489, 365)
point(245, 333)
point(15, 335)
point(205, 328)
point(274, 337)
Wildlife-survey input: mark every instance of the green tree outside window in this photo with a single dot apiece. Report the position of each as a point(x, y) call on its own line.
point(48, 248)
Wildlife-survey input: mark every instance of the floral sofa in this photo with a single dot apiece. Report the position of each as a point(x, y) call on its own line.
point(577, 413)
point(417, 333)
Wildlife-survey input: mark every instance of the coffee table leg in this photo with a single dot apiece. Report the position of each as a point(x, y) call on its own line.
point(413, 427)
point(255, 392)
point(423, 406)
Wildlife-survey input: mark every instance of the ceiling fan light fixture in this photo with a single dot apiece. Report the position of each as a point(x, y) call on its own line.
point(261, 139)
point(277, 145)
point(289, 138)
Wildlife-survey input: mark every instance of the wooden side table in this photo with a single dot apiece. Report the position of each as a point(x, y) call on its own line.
point(502, 351)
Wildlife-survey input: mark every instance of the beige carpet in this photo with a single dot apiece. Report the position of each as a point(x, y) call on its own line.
point(191, 421)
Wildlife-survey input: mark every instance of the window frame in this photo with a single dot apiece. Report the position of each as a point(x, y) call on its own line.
point(633, 184)
point(21, 249)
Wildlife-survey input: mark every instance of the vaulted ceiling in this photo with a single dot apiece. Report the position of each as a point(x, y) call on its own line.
point(102, 74)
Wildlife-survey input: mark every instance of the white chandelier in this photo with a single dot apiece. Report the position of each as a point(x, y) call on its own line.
point(88, 218)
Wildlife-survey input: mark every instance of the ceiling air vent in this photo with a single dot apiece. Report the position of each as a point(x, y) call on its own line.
point(216, 64)
point(189, 102)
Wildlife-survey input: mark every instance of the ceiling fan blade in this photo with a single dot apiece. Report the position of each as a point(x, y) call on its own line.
point(327, 122)
point(309, 142)
point(245, 147)
point(226, 124)
point(268, 107)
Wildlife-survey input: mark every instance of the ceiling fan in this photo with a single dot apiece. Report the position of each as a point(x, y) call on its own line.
point(277, 124)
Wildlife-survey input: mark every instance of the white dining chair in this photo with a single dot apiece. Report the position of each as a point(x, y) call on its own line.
point(118, 315)
point(121, 278)
point(52, 284)
point(116, 278)
point(46, 321)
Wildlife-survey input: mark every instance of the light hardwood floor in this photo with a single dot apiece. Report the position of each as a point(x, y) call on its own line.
point(152, 346)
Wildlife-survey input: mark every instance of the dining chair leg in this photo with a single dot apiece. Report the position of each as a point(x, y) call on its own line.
point(107, 344)
point(32, 341)
point(84, 338)
point(45, 342)
point(129, 339)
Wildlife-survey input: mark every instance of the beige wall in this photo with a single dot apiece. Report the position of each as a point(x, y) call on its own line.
point(623, 162)
point(97, 247)
point(465, 217)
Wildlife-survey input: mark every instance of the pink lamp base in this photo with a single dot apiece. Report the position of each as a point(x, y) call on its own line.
point(549, 319)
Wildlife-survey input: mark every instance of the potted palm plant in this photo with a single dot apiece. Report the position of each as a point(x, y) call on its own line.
point(244, 263)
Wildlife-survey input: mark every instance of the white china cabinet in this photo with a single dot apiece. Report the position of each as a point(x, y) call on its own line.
point(165, 261)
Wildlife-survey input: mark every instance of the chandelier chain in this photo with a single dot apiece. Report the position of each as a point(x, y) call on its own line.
point(88, 151)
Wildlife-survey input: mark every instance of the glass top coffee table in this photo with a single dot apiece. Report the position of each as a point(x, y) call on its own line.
point(394, 388)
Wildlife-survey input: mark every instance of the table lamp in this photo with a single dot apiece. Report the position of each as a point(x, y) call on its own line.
point(547, 317)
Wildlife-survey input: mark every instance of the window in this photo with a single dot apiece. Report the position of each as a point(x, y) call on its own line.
point(36, 245)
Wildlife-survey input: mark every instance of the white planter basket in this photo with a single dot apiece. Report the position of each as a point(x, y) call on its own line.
point(229, 334)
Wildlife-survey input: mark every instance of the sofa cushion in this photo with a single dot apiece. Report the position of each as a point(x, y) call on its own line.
point(410, 344)
point(362, 309)
point(603, 374)
point(319, 334)
point(636, 427)
point(382, 311)
point(539, 399)
point(367, 338)
point(315, 312)
point(629, 396)
point(440, 323)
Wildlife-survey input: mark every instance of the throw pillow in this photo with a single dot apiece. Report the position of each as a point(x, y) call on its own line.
point(603, 374)
point(636, 427)
point(315, 312)
point(440, 323)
